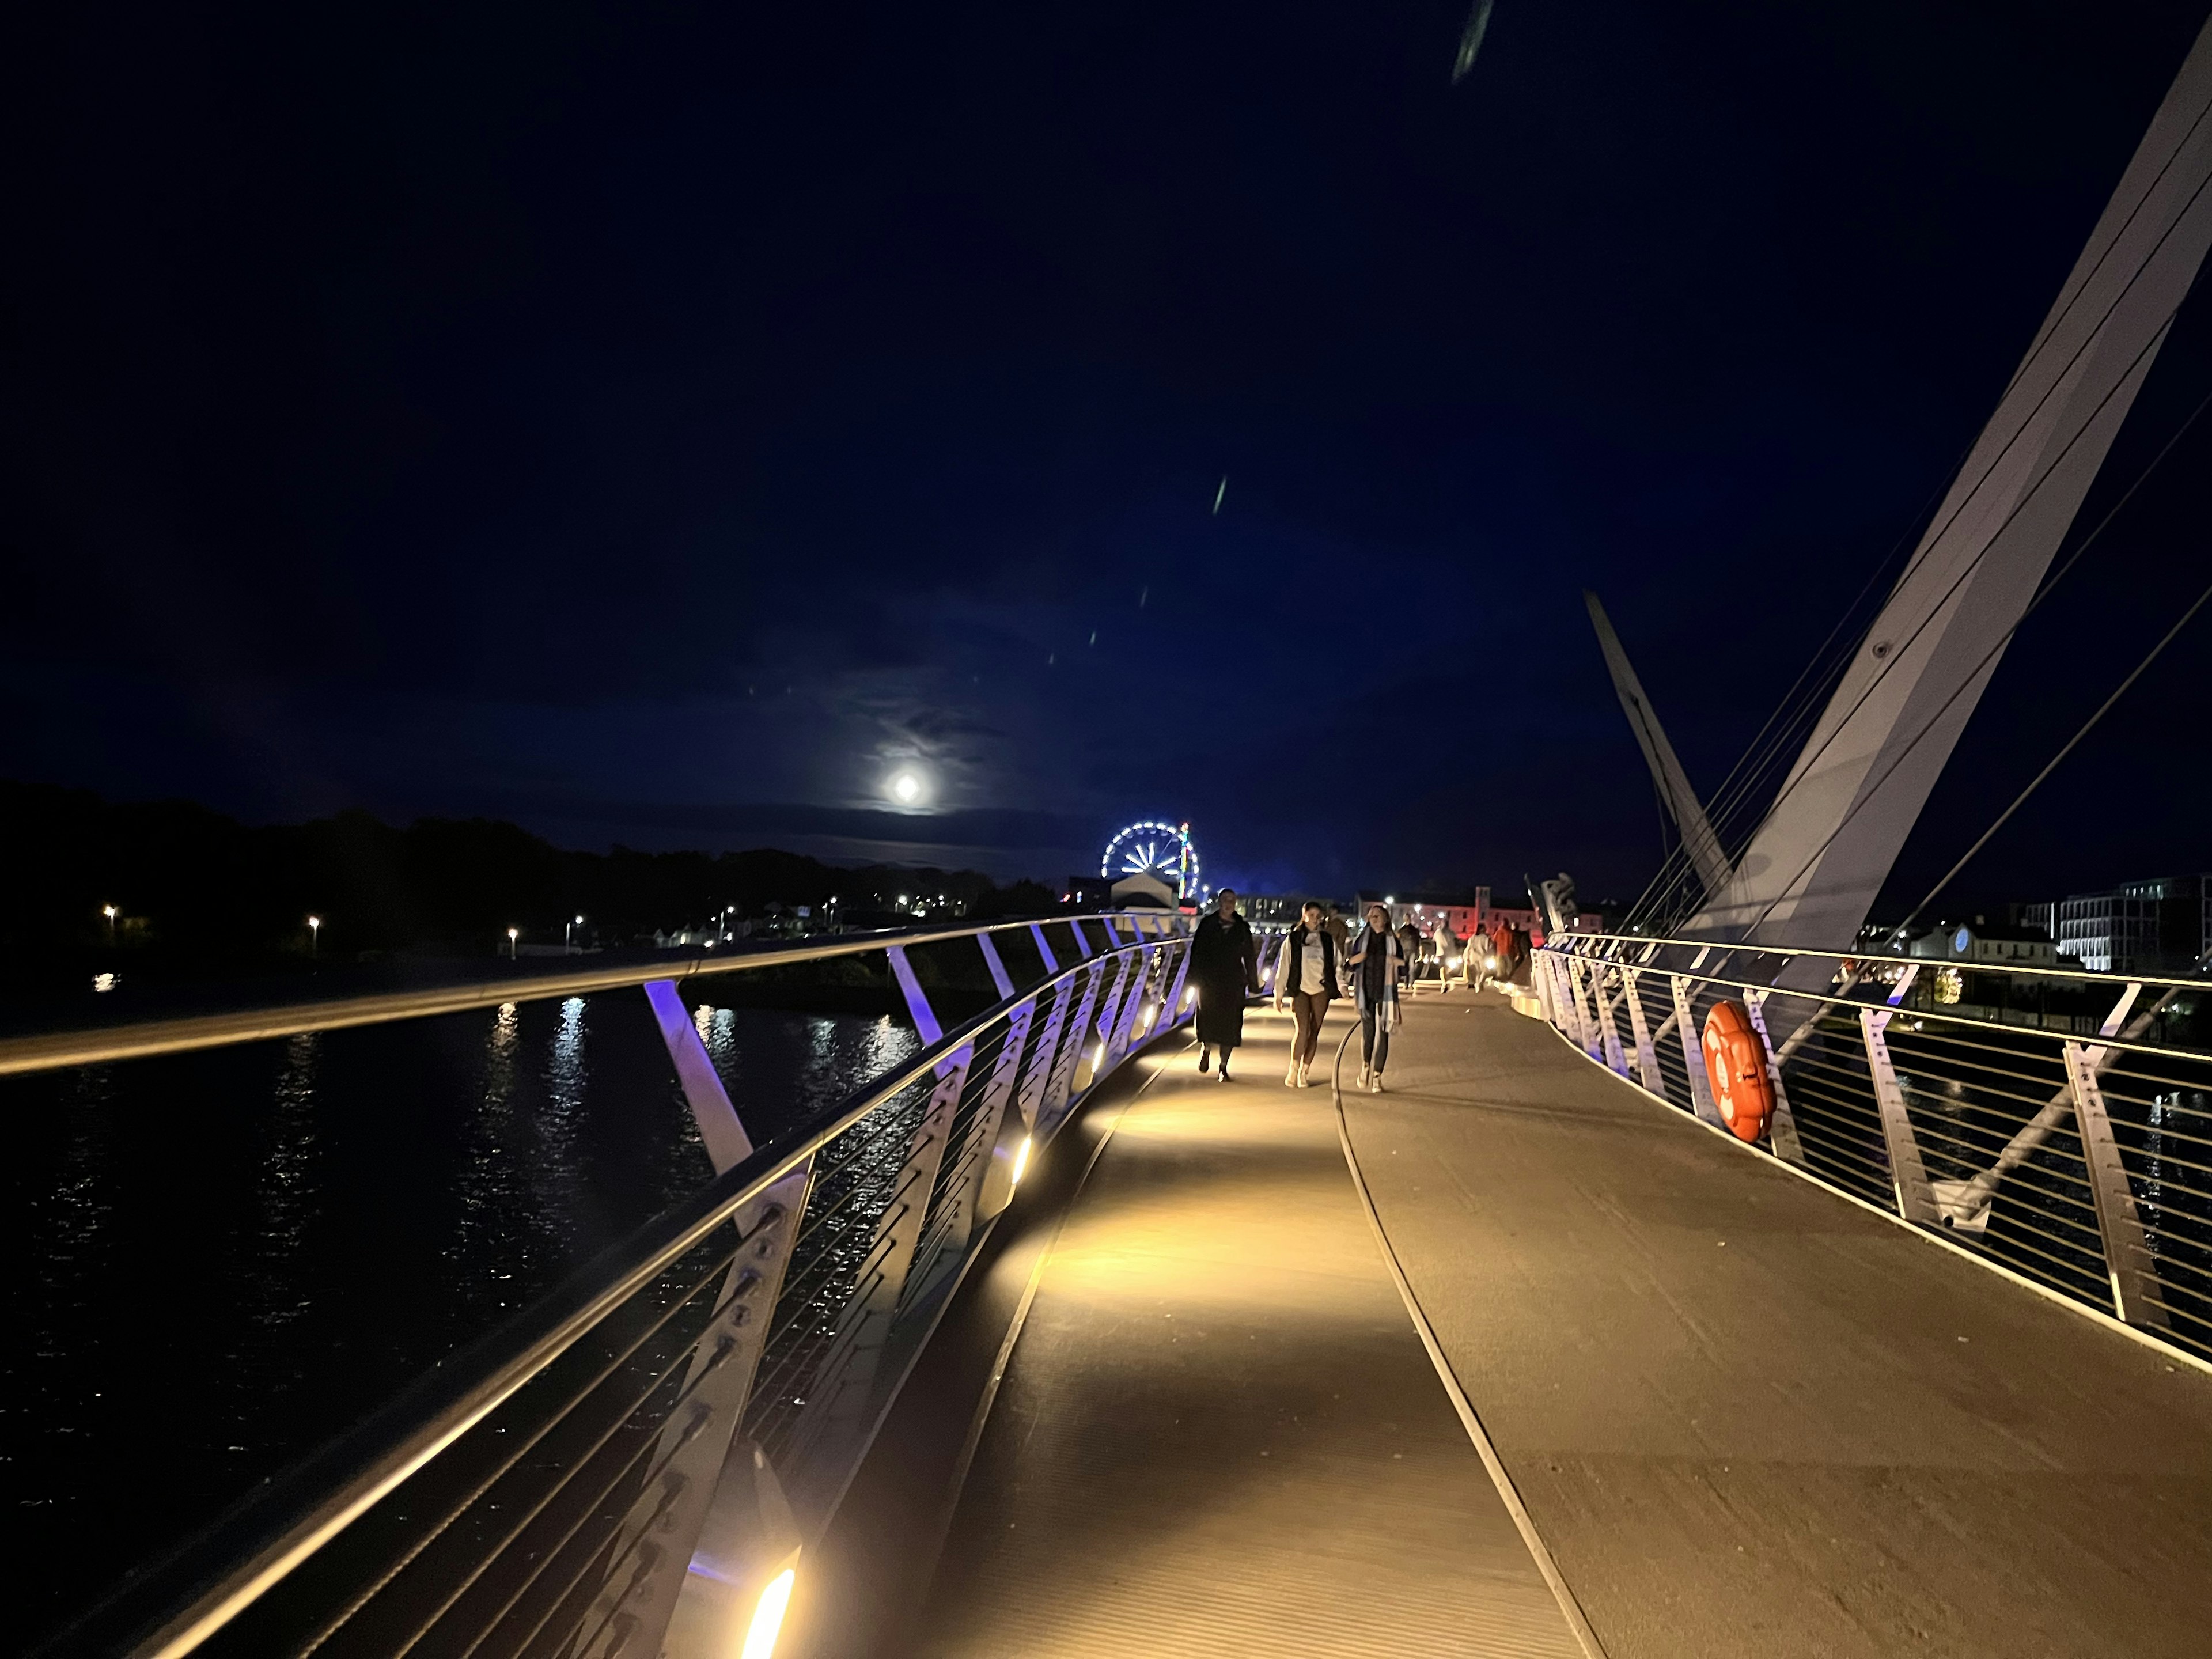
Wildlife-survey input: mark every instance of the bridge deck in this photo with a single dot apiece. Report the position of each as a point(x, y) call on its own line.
point(1219, 1432)
point(1745, 1416)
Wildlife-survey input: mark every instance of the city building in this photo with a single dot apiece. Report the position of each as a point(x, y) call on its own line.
point(2163, 925)
point(1465, 912)
point(1981, 942)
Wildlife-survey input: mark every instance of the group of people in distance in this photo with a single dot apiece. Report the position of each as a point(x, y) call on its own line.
point(1314, 970)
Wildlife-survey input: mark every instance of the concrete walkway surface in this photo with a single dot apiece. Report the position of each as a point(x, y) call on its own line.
point(1748, 1417)
point(1219, 1433)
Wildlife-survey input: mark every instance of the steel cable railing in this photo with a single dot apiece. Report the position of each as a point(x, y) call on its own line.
point(2072, 1146)
point(635, 1463)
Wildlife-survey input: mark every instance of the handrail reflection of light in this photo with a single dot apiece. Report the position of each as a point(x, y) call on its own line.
point(767, 1616)
point(1021, 1162)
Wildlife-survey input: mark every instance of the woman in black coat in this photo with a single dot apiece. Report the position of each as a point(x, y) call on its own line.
point(1226, 967)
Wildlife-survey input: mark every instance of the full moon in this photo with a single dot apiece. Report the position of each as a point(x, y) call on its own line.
point(906, 788)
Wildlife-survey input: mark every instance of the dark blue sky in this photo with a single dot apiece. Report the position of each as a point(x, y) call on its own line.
point(661, 423)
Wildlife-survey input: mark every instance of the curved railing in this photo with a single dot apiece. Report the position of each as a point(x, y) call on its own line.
point(638, 1461)
point(2071, 1145)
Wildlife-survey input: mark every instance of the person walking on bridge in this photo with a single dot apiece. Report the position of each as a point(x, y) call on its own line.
point(1378, 957)
point(1413, 946)
point(1225, 964)
point(1307, 972)
point(1450, 953)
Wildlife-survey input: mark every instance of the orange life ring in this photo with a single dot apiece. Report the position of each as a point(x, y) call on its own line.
point(1735, 1061)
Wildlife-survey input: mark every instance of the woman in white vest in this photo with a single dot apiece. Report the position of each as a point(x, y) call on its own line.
point(1308, 974)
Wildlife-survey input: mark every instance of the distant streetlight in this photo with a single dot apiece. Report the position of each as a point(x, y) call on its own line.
point(314, 933)
point(513, 934)
point(568, 931)
point(108, 910)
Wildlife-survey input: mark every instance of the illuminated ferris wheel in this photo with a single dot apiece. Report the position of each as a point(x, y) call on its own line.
point(1164, 852)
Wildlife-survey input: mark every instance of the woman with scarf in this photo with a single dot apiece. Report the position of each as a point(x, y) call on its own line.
point(1376, 961)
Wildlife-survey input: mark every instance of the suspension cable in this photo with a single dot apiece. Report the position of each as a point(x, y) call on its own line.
point(2103, 708)
point(1988, 658)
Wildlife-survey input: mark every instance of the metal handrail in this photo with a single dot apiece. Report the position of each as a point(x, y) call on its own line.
point(1564, 944)
point(94, 1045)
point(1006, 1056)
point(2087, 976)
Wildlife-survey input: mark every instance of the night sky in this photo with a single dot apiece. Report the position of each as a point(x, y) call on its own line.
point(661, 423)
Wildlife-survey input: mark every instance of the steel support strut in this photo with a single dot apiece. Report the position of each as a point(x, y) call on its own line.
point(2129, 1262)
point(1647, 1056)
point(1781, 1131)
point(1693, 1053)
point(712, 1526)
point(1916, 1200)
point(1585, 1028)
point(1608, 1031)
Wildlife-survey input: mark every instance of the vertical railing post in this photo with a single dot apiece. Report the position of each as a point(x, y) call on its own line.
point(1109, 1013)
point(1693, 1053)
point(720, 1131)
point(999, 976)
point(1036, 1080)
point(1172, 1010)
point(917, 1001)
point(2129, 1263)
point(1128, 992)
point(1568, 991)
point(1647, 1057)
point(840, 1411)
point(1551, 987)
point(1916, 1199)
point(1782, 1129)
point(1133, 1002)
point(1000, 1134)
point(1578, 977)
point(1073, 1035)
point(726, 1529)
point(1609, 1031)
point(1563, 1001)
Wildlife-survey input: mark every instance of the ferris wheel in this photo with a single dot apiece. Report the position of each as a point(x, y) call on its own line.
point(1164, 852)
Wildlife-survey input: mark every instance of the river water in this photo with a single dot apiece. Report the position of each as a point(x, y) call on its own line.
point(216, 1262)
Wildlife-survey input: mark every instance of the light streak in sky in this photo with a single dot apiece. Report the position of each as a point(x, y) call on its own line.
point(1219, 493)
point(1470, 39)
